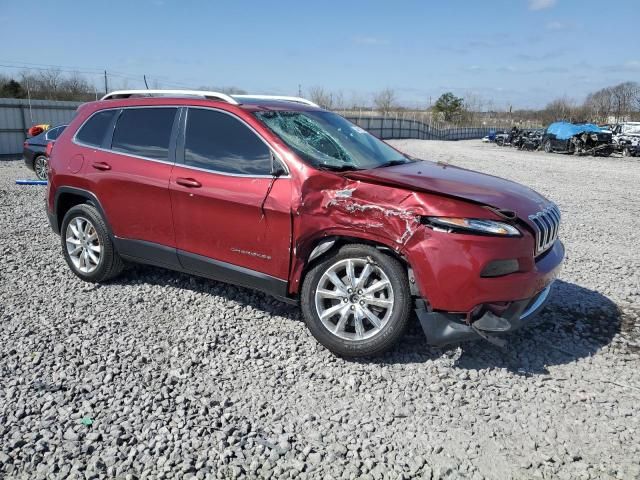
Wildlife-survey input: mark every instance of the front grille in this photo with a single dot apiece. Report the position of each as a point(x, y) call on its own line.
point(546, 225)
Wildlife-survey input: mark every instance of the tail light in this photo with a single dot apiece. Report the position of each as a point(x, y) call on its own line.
point(49, 149)
point(25, 144)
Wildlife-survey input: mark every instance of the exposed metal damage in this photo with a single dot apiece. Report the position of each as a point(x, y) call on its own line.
point(403, 221)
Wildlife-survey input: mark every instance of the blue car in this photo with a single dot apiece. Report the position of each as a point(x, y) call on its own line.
point(34, 149)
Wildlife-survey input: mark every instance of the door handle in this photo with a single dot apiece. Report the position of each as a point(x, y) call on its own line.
point(101, 166)
point(188, 182)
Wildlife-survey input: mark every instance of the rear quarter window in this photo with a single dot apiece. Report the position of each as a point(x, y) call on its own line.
point(94, 130)
point(54, 133)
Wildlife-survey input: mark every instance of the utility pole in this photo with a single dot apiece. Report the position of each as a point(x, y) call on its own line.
point(106, 85)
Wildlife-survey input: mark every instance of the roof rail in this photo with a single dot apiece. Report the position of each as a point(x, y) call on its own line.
point(196, 93)
point(279, 97)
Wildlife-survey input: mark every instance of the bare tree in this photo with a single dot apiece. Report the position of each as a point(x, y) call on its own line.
point(228, 90)
point(74, 87)
point(50, 83)
point(322, 97)
point(599, 105)
point(356, 101)
point(53, 85)
point(338, 101)
point(558, 109)
point(385, 100)
point(624, 96)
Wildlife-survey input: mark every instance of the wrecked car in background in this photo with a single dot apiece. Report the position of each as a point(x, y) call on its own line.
point(626, 138)
point(578, 139)
point(528, 139)
point(277, 194)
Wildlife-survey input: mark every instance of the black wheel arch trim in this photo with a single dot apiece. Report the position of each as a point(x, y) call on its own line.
point(89, 196)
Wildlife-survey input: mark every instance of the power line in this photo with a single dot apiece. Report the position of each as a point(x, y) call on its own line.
point(25, 67)
point(90, 71)
point(66, 67)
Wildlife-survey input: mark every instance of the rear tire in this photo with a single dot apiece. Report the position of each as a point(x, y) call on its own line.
point(87, 246)
point(40, 167)
point(357, 301)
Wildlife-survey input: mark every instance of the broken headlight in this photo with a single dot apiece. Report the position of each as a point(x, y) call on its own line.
point(471, 225)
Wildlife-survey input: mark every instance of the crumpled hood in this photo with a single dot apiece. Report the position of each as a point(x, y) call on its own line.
point(460, 183)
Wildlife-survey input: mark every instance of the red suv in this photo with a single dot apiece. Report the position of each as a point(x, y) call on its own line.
point(277, 194)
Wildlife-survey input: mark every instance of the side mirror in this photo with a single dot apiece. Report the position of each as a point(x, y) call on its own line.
point(277, 169)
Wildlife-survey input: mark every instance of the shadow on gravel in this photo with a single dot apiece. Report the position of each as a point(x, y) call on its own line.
point(146, 274)
point(576, 323)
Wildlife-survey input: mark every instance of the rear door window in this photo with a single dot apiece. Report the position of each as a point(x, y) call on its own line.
point(222, 143)
point(144, 132)
point(94, 130)
point(54, 133)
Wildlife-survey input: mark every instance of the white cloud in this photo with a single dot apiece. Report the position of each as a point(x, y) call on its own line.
point(630, 66)
point(368, 40)
point(541, 4)
point(557, 26)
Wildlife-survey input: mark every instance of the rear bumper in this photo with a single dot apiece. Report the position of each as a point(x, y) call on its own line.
point(444, 328)
point(28, 160)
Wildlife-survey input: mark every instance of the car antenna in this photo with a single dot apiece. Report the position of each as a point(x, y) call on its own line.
point(144, 76)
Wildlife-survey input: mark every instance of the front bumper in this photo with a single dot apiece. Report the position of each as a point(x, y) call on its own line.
point(634, 150)
point(448, 269)
point(444, 328)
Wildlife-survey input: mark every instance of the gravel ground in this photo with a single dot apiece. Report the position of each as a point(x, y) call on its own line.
point(161, 375)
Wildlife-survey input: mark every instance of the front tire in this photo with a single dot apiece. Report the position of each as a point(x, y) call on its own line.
point(87, 246)
point(547, 146)
point(357, 301)
point(40, 167)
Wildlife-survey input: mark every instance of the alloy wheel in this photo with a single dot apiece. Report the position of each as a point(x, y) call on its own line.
point(83, 244)
point(354, 299)
point(40, 168)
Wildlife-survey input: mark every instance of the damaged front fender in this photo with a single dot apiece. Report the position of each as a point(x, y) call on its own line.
point(334, 206)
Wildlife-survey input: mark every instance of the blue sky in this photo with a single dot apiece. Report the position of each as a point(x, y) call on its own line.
point(507, 52)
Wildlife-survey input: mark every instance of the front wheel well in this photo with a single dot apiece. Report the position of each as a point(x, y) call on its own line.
point(339, 241)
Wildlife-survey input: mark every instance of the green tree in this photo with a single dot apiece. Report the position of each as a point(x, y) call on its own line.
point(12, 89)
point(449, 105)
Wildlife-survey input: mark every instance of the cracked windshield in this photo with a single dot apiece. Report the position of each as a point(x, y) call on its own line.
point(329, 141)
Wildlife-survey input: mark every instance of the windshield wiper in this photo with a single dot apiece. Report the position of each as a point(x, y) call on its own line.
point(338, 168)
point(393, 163)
